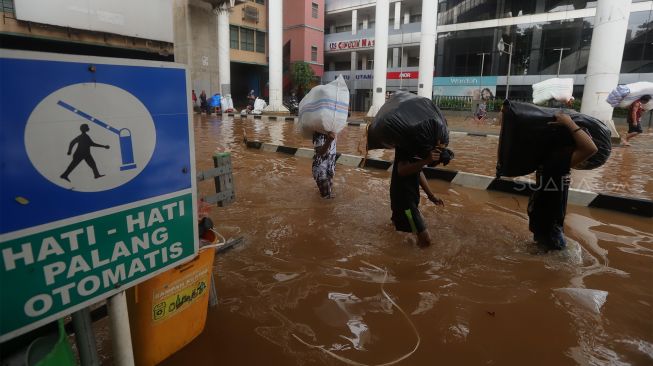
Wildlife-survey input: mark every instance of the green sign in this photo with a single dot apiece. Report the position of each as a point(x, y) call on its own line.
point(44, 273)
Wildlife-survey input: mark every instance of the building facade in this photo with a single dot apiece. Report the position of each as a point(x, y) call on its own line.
point(468, 32)
point(303, 34)
point(248, 24)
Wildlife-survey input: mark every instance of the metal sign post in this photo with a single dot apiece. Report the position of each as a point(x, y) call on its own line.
point(480, 81)
point(560, 60)
point(502, 48)
point(101, 190)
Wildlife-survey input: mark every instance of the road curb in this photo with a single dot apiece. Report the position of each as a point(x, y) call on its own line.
point(578, 197)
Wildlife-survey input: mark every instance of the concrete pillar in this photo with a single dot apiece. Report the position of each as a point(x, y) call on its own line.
point(332, 28)
point(352, 78)
point(354, 21)
point(363, 62)
point(406, 16)
point(275, 41)
point(404, 59)
point(195, 40)
point(224, 60)
point(365, 22)
point(427, 48)
point(606, 52)
point(380, 55)
point(395, 57)
point(397, 23)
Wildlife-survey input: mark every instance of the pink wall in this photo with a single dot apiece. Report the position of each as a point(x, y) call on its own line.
point(298, 23)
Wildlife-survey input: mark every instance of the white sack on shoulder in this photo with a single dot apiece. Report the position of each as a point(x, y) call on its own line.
point(556, 88)
point(325, 108)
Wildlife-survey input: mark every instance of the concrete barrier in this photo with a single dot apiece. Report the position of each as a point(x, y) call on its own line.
point(578, 197)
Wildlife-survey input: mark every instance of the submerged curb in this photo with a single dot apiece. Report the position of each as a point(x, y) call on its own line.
point(630, 205)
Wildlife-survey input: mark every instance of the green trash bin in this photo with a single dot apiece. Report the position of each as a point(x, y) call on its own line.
point(51, 350)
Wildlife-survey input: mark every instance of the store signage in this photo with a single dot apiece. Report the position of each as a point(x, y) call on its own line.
point(393, 75)
point(347, 45)
point(402, 75)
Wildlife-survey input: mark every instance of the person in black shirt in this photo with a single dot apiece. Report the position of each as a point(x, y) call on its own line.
point(407, 177)
point(547, 205)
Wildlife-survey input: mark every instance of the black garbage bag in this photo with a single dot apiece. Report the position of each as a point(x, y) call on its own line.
point(527, 137)
point(410, 122)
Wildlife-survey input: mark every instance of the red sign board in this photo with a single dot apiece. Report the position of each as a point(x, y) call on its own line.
point(356, 43)
point(403, 75)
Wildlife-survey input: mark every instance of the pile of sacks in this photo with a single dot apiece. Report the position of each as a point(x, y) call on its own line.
point(325, 108)
point(556, 88)
point(414, 124)
point(624, 95)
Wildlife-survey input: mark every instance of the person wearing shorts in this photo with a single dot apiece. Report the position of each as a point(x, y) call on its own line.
point(634, 118)
point(324, 162)
point(406, 179)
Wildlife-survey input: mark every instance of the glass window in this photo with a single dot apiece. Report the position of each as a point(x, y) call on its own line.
point(260, 42)
point(638, 51)
point(343, 28)
point(565, 5)
point(342, 65)
point(246, 39)
point(262, 2)
point(314, 54)
point(314, 10)
point(8, 6)
point(233, 36)
point(461, 11)
point(535, 47)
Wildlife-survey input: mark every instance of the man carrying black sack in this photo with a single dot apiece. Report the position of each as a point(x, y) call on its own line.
point(407, 177)
point(547, 205)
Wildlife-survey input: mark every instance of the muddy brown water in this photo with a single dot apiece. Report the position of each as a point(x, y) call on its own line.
point(329, 282)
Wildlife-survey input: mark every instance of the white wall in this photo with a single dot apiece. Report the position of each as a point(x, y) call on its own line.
point(148, 19)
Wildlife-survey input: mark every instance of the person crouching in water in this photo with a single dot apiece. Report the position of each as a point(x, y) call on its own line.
point(547, 205)
point(324, 162)
point(406, 179)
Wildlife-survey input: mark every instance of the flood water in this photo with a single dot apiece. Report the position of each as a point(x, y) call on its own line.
point(329, 282)
point(627, 172)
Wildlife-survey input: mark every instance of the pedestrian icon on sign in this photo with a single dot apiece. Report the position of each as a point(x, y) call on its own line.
point(124, 135)
point(83, 152)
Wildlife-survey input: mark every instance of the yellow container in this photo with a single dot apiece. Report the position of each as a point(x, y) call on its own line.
point(168, 311)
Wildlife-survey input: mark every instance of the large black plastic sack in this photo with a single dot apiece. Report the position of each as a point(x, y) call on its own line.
point(410, 122)
point(527, 137)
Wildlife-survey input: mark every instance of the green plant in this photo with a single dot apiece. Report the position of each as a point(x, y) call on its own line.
point(302, 76)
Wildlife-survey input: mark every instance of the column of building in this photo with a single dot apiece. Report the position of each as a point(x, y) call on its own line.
point(427, 48)
point(396, 51)
point(224, 59)
point(354, 61)
point(382, 13)
point(606, 53)
point(275, 41)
